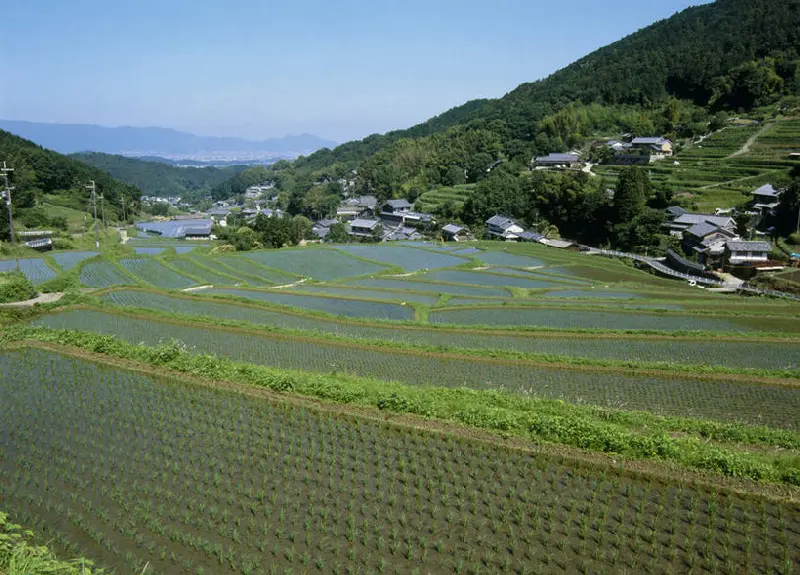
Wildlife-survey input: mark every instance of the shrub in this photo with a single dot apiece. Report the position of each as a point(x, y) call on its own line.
point(14, 286)
point(60, 283)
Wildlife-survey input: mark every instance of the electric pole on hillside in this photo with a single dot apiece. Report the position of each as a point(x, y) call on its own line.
point(122, 201)
point(91, 186)
point(6, 194)
point(102, 211)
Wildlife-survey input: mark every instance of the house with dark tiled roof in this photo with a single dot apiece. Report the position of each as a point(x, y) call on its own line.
point(654, 145)
point(740, 252)
point(707, 241)
point(455, 233)
point(363, 227)
point(766, 198)
point(500, 226)
point(557, 161)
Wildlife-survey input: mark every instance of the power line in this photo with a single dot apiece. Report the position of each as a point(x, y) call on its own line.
point(6, 194)
point(91, 186)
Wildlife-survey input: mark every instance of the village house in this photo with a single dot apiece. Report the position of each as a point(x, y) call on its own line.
point(500, 226)
point(455, 233)
point(322, 228)
point(399, 211)
point(558, 161)
point(655, 147)
point(363, 227)
point(707, 241)
point(357, 207)
point(685, 220)
point(766, 198)
point(740, 252)
point(400, 233)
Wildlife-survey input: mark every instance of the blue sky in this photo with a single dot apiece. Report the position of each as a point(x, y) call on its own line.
point(341, 69)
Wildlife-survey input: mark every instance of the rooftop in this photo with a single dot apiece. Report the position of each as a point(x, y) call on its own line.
point(749, 246)
point(500, 221)
point(766, 190)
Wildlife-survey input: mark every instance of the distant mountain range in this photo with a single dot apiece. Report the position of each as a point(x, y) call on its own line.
point(162, 142)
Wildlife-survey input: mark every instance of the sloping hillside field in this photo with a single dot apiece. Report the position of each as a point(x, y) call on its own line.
point(400, 409)
point(185, 478)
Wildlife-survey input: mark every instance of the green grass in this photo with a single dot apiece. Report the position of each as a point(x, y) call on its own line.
point(672, 393)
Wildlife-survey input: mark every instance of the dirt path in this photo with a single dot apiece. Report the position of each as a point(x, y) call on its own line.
point(750, 141)
point(41, 298)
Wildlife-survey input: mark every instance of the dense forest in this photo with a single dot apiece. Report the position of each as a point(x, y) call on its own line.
point(680, 77)
point(40, 174)
point(160, 179)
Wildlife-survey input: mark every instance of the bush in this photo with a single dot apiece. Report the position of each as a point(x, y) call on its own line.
point(794, 239)
point(14, 286)
point(60, 283)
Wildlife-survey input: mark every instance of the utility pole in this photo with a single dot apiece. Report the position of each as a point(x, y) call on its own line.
point(7, 195)
point(122, 201)
point(91, 186)
point(102, 211)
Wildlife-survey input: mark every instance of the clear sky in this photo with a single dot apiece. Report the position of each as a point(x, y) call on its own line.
point(340, 69)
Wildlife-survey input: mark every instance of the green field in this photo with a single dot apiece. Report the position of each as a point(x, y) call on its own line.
point(611, 388)
point(172, 477)
point(397, 409)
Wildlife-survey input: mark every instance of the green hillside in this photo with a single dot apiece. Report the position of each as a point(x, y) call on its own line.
point(43, 179)
point(160, 179)
point(683, 77)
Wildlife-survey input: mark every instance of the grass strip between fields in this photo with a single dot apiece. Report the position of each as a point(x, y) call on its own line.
point(730, 450)
point(776, 377)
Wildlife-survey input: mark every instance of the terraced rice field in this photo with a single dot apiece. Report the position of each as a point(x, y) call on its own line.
point(336, 306)
point(147, 251)
point(569, 319)
point(428, 287)
point(216, 264)
point(731, 401)
point(154, 273)
point(218, 482)
point(702, 351)
point(193, 269)
point(103, 274)
point(35, 269)
point(487, 279)
point(366, 293)
point(506, 259)
point(251, 268)
point(320, 264)
point(68, 260)
point(409, 259)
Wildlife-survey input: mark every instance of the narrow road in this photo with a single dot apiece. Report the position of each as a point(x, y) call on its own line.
point(750, 141)
point(41, 298)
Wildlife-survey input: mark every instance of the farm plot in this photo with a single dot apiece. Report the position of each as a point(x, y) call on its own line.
point(487, 279)
point(320, 264)
point(593, 294)
point(336, 306)
point(569, 319)
point(147, 251)
point(366, 293)
point(410, 259)
point(676, 396)
point(216, 264)
point(251, 268)
point(68, 260)
point(542, 274)
point(219, 482)
point(703, 351)
point(206, 275)
point(428, 287)
point(35, 269)
point(154, 273)
point(102, 275)
point(508, 259)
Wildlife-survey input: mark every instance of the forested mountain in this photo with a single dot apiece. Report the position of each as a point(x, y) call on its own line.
point(41, 174)
point(160, 179)
point(680, 77)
